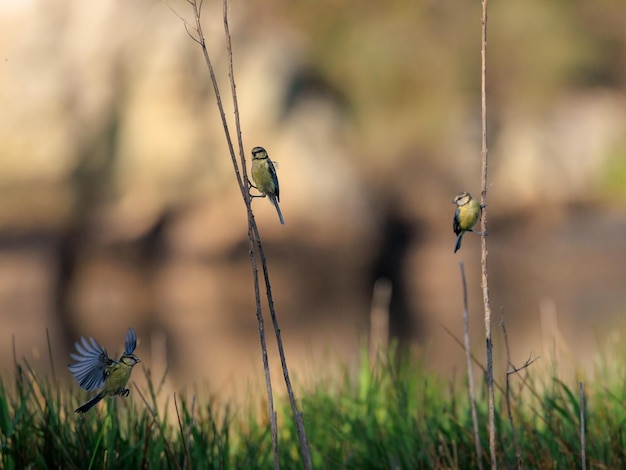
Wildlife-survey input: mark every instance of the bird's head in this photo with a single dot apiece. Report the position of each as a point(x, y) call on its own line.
point(258, 153)
point(130, 360)
point(462, 198)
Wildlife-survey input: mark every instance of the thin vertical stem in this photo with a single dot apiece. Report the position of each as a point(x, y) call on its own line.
point(243, 186)
point(507, 393)
point(253, 234)
point(483, 260)
point(470, 373)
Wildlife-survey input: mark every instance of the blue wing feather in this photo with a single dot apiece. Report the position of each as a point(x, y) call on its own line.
point(455, 222)
point(89, 370)
point(272, 171)
point(131, 341)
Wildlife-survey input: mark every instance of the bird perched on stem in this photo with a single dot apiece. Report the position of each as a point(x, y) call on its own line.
point(264, 176)
point(94, 369)
point(467, 213)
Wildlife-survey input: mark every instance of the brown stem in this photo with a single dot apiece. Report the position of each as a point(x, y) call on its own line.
point(483, 259)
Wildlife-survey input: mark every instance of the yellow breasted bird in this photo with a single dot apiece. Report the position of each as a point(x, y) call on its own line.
point(264, 176)
point(467, 213)
point(94, 369)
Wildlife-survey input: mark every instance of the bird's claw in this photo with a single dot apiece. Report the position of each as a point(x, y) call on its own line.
point(482, 234)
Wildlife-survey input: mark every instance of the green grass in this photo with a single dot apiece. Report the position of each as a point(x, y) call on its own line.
point(390, 414)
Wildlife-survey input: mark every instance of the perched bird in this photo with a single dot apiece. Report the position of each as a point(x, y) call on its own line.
point(264, 175)
point(94, 369)
point(467, 213)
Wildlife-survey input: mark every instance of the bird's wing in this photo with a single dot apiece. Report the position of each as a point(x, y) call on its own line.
point(272, 170)
point(89, 370)
point(131, 341)
point(455, 221)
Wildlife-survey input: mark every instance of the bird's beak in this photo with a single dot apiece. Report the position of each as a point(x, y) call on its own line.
point(453, 201)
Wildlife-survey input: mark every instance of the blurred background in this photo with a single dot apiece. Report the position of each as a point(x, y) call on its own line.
point(119, 206)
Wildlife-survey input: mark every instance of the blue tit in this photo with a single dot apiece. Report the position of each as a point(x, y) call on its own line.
point(94, 369)
point(467, 213)
point(264, 175)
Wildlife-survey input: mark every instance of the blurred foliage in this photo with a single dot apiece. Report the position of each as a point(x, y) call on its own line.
point(409, 74)
point(613, 181)
point(408, 68)
point(390, 414)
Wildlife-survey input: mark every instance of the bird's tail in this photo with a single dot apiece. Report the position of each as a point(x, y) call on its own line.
point(274, 202)
point(458, 242)
point(90, 404)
